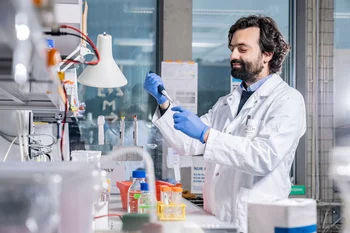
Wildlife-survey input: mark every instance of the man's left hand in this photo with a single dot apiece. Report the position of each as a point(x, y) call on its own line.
point(189, 123)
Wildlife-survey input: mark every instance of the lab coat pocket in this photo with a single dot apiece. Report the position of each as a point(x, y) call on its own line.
point(251, 128)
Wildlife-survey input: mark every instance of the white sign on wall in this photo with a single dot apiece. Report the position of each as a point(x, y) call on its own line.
point(181, 82)
point(197, 174)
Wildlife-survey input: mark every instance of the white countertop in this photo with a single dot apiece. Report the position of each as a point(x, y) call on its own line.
point(196, 218)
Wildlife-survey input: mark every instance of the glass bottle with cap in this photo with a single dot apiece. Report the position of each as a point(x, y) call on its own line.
point(53, 61)
point(53, 56)
point(134, 191)
point(145, 201)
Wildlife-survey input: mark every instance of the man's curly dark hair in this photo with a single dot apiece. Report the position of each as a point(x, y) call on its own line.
point(271, 39)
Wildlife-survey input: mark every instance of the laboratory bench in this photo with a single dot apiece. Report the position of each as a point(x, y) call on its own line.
point(197, 220)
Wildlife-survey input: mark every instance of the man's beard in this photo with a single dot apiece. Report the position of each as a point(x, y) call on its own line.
point(248, 72)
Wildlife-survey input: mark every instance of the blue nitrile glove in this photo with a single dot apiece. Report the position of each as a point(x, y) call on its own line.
point(189, 123)
point(151, 85)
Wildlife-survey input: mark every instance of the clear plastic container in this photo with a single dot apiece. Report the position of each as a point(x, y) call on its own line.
point(79, 190)
point(176, 195)
point(165, 190)
point(33, 199)
point(161, 195)
point(146, 204)
point(134, 192)
point(166, 202)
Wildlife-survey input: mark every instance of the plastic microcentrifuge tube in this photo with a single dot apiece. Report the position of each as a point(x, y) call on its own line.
point(165, 190)
point(167, 210)
point(161, 193)
point(176, 196)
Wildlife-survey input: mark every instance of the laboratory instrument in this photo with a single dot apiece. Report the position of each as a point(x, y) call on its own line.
point(170, 207)
point(78, 187)
point(26, 199)
point(171, 212)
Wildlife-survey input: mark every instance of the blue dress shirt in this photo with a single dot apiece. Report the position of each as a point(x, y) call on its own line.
point(256, 85)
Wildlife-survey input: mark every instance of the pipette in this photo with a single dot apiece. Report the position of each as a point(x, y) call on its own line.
point(122, 131)
point(136, 131)
point(162, 91)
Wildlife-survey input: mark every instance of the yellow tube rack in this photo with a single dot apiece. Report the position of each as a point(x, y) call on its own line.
point(166, 212)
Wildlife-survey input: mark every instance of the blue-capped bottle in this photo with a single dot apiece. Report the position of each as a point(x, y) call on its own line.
point(134, 193)
point(146, 204)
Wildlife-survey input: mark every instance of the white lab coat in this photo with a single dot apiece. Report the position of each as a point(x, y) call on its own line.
point(242, 163)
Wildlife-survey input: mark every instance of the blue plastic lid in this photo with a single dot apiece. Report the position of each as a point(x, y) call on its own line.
point(144, 186)
point(50, 43)
point(139, 174)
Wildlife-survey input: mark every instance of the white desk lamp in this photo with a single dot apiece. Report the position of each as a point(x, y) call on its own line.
point(106, 74)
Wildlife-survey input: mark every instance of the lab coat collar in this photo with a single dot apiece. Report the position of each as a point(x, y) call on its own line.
point(264, 90)
point(269, 85)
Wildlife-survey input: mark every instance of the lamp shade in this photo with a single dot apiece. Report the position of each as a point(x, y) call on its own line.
point(106, 74)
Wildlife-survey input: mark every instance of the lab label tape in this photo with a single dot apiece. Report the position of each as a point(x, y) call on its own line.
point(171, 212)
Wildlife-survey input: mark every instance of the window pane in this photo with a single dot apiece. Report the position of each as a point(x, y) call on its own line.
point(132, 25)
point(211, 23)
point(341, 71)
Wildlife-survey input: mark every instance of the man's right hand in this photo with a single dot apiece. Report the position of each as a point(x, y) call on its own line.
point(151, 85)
